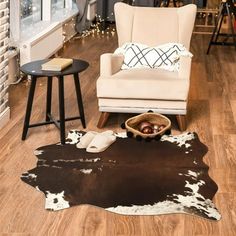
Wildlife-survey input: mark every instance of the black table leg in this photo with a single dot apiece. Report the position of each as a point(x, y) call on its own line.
point(79, 99)
point(29, 107)
point(61, 108)
point(49, 98)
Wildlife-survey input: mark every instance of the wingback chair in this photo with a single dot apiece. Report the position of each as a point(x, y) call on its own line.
point(140, 90)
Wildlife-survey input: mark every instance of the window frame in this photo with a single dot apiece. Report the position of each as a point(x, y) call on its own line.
point(46, 16)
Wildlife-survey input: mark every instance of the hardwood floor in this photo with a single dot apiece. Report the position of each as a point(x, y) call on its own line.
point(212, 114)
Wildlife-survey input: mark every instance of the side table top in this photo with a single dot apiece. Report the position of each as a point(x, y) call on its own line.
point(34, 68)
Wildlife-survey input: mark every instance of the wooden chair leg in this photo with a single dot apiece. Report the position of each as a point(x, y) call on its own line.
point(182, 122)
point(103, 119)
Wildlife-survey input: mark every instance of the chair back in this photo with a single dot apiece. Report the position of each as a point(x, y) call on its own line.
point(154, 26)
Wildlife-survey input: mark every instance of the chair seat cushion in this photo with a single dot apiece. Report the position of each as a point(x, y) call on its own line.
point(143, 84)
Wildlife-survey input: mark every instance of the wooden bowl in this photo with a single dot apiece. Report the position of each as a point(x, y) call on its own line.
point(132, 124)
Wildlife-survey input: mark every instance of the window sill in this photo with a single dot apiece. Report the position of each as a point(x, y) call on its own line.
point(63, 15)
point(33, 30)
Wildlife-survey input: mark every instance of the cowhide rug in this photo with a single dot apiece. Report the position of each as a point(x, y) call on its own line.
point(130, 177)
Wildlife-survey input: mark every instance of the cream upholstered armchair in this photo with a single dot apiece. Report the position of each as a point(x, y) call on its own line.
point(140, 90)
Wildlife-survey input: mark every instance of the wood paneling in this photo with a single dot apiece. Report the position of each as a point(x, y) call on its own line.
point(212, 114)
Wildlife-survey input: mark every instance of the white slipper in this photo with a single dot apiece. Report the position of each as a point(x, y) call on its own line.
point(86, 139)
point(101, 142)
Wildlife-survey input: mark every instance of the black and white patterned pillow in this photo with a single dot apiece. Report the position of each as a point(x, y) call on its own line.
point(165, 56)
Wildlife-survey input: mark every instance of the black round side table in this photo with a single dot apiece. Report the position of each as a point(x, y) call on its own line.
point(34, 70)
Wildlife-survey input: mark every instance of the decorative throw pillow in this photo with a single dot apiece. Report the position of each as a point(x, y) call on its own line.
point(165, 56)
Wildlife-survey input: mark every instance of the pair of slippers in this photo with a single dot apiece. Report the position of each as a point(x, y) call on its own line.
point(96, 142)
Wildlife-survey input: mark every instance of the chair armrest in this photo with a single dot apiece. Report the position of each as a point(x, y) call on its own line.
point(110, 63)
point(185, 67)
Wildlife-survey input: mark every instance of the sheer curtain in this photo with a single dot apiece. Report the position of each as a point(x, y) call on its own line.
point(82, 17)
point(145, 3)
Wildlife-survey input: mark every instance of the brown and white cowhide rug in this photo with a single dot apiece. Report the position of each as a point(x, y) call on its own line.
point(130, 177)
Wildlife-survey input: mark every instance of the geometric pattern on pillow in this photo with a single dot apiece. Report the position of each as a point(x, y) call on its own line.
point(164, 56)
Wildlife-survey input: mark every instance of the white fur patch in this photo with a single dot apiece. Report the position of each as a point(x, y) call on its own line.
point(121, 135)
point(192, 199)
point(165, 207)
point(38, 152)
point(193, 175)
point(73, 137)
point(29, 176)
point(32, 176)
point(180, 140)
point(86, 171)
point(79, 160)
point(90, 160)
point(56, 201)
point(37, 188)
point(195, 199)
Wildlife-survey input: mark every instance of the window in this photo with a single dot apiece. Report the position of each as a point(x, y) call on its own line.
point(57, 5)
point(31, 10)
point(30, 17)
point(74, 4)
point(60, 9)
